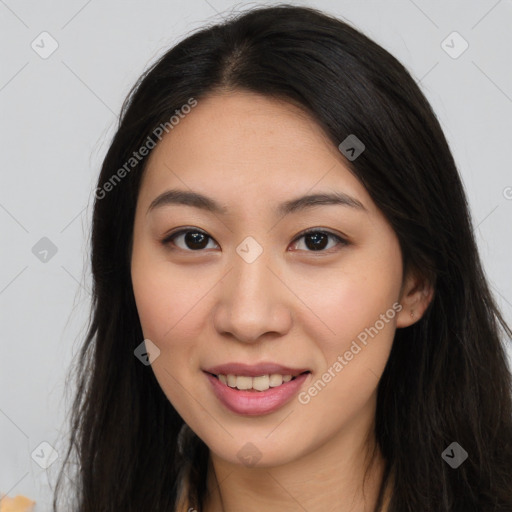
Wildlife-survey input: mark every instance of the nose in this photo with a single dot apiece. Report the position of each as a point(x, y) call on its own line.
point(253, 301)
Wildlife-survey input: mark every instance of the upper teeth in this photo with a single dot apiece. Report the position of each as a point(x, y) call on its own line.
point(261, 383)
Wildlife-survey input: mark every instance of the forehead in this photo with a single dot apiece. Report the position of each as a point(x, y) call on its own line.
point(263, 149)
point(243, 124)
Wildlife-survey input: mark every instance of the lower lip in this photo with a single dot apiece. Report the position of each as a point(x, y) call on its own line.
point(252, 403)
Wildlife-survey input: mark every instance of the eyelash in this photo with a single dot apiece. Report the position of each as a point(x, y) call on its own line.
point(169, 239)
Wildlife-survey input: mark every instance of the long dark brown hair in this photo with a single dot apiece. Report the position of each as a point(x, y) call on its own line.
point(446, 379)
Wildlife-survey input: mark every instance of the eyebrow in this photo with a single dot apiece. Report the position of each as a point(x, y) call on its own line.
point(197, 200)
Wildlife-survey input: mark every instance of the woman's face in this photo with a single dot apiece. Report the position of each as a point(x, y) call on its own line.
point(245, 286)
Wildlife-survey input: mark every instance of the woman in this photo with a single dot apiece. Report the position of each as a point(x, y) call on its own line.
point(290, 312)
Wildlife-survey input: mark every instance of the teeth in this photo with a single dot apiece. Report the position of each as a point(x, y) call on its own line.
point(261, 383)
point(275, 380)
point(244, 382)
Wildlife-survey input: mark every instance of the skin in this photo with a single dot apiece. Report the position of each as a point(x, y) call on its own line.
point(292, 305)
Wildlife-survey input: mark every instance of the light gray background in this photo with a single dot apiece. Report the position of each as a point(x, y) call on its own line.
point(57, 118)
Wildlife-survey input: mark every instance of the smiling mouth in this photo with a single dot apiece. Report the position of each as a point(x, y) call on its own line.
point(256, 384)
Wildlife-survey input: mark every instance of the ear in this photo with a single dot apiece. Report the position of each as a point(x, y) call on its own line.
point(417, 293)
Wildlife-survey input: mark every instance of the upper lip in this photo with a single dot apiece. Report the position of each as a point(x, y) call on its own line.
point(254, 370)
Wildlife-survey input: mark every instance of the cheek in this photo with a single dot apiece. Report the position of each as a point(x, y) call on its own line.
point(347, 299)
point(166, 297)
point(153, 299)
point(354, 356)
point(354, 308)
point(166, 312)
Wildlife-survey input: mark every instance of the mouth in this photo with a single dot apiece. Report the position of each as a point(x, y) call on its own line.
point(256, 384)
point(255, 396)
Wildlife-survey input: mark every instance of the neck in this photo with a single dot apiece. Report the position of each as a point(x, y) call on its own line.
point(340, 476)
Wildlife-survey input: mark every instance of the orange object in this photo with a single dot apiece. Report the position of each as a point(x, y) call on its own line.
point(17, 504)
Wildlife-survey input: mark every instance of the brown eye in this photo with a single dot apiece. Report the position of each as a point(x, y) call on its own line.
point(316, 240)
point(193, 239)
point(197, 240)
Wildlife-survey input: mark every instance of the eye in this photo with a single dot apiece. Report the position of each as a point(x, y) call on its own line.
point(196, 240)
point(315, 239)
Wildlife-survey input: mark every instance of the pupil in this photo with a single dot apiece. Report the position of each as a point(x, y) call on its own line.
point(315, 237)
point(193, 240)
